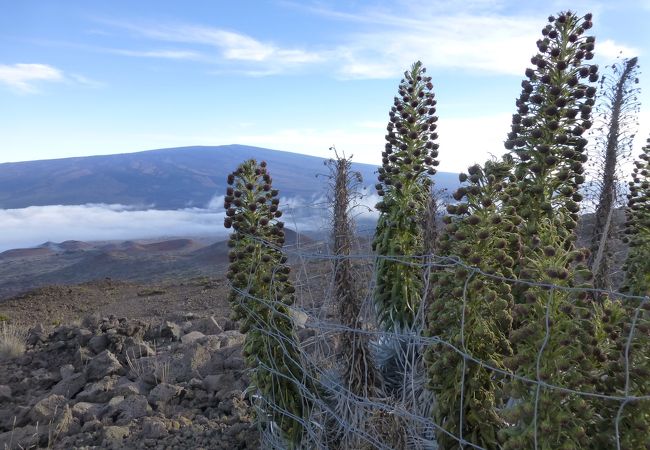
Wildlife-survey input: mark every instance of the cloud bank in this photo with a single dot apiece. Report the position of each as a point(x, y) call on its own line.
point(35, 225)
point(28, 227)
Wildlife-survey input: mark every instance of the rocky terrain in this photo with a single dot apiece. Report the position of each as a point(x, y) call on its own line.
point(123, 364)
point(68, 304)
point(120, 364)
point(119, 383)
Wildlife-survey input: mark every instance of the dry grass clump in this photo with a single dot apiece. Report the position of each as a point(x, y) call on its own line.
point(141, 364)
point(12, 340)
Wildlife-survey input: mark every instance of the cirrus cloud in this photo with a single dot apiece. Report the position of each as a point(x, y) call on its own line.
point(26, 78)
point(267, 58)
point(23, 78)
point(476, 35)
point(610, 50)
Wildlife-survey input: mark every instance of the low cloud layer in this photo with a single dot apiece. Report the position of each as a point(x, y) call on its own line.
point(28, 227)
point(35, 225)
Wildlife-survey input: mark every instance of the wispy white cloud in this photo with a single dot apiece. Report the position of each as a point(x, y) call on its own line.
point(24, 78)
point(265, 57)
point(475, 35)
point(609, 50)
point(466, 42)
point(163, 54)
point(85, 81)
point(472, 35)
point(160, 53)
point(405, 13)
point(430, 33)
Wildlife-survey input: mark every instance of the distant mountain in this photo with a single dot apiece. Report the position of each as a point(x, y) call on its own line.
point(163, 179)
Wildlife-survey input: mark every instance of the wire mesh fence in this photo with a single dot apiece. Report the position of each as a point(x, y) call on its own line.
point(399, 414)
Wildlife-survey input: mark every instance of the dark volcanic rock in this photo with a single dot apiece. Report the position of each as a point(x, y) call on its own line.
point(182, 395)
point(102, 365)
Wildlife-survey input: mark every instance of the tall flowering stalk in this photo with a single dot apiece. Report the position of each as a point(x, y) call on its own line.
point(260, 298)
point(637, 266)
point(359, 372)
point(634, 425)
point(626, 329)
point(554, 335)
point(408, 161)
point(359, 375)
point(619, 106)
point(469, 396)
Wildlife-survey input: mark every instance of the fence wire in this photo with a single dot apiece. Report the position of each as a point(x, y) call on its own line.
point(388, 421)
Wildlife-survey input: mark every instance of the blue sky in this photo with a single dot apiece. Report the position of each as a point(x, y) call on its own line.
point(81, 77)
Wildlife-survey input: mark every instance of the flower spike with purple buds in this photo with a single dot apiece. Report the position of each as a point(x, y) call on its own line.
point(261, 296)
point(404, 185)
